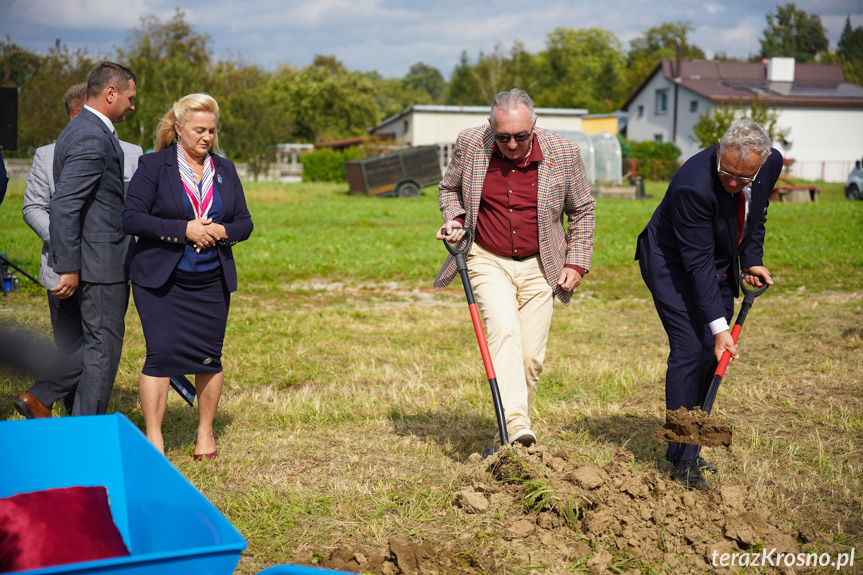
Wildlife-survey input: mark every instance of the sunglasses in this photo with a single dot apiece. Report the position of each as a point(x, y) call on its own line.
point(520, 137)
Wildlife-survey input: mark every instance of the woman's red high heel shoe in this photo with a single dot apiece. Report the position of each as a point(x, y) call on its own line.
point(202, 456)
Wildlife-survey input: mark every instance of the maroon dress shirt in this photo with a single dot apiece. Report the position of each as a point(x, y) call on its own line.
point(506, 224)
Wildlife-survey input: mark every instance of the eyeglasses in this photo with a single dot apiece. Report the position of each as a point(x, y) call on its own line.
point(520, 137)
point(723, 173)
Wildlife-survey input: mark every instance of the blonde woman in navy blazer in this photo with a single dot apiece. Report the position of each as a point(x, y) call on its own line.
point(187, 208)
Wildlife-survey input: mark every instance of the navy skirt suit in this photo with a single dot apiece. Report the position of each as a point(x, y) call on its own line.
point(182, 296)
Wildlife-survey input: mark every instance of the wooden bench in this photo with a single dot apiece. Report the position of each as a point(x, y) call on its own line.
point(787, 191)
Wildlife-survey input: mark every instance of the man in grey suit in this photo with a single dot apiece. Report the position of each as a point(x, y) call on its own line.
point(89, 249)
point(37, 402)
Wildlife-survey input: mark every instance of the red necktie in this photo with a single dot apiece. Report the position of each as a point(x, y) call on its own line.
point(740, 201)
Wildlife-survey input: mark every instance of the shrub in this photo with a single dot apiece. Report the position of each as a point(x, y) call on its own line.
point(328, 165)
point(652, 160)
point(654, 150)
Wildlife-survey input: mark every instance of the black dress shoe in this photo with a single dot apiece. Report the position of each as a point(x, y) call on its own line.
point(706, 467)
point(686, 472)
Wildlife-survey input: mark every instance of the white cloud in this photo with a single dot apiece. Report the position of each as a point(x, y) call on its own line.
point(390, 35)
point(77, 14)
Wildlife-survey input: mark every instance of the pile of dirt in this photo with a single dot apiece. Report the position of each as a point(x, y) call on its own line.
point(408, 558)
point(694, 427)
point(553, 512)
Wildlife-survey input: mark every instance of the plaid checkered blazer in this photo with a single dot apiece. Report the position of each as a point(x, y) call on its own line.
point(563, 188)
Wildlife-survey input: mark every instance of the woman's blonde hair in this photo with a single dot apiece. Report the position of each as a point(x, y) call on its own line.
point(179, 113)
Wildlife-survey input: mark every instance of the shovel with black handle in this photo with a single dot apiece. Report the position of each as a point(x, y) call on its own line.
point(461, 267)
point(748, 298)
point(184, 387)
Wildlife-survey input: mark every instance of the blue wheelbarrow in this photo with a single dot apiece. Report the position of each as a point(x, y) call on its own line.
point(167, 525)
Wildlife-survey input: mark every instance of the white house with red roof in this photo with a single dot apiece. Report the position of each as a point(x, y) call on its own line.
point(822, 112)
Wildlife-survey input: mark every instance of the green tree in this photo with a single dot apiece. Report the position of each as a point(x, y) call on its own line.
point(42, 80)
point(712, 124)
point(850, 53)
point(327, 101)
point(476, 84)
point(253, 114)
point(422, 85)
point(170, 60)
point(657, 44)
point(793, 33)
point(724, 57)
point(850, 44)
point(392, 95)
point(17, 65)
point(581, 69)
point(427, 79)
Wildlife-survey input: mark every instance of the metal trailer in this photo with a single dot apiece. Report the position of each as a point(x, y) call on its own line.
point(396, 174)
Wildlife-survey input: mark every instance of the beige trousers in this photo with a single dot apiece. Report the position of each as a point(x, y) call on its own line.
point(516, 303)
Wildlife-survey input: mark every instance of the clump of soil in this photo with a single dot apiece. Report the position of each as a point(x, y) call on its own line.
point(694, 427)
point(408, 558)
point(544, 510)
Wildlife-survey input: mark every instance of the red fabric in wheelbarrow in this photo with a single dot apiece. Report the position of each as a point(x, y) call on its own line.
point(56, 527)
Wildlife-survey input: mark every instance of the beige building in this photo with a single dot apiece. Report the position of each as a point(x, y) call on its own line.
point(593, 124)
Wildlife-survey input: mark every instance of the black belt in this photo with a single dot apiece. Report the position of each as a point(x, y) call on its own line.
point(522, 258)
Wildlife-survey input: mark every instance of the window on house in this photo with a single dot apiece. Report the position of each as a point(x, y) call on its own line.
point(640, 111)
point(657, 138)
point(693, 106)
point(662, 101)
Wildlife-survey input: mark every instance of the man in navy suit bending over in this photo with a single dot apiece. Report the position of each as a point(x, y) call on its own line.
point(708, 227)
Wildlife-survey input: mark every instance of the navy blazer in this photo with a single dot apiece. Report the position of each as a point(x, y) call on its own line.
point(155, 213)
point(690, 242)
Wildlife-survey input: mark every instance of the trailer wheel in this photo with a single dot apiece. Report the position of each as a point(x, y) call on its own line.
point(408, 190)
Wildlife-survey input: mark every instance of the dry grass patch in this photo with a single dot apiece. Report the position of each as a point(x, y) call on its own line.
point(350, 419)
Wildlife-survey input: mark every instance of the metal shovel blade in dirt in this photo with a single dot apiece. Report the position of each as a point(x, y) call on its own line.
point(748, 299)
point(461, 267)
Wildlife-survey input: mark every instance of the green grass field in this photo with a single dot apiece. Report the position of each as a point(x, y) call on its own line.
point(354, 394)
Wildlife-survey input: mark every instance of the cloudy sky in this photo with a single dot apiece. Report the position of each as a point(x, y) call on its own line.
point(390, 35)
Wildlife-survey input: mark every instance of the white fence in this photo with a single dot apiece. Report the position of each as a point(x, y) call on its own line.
point(825, 170)
point(18, 169)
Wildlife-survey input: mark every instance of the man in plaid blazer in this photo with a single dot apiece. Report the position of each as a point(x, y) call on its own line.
point(511, 183)
point(37, 401)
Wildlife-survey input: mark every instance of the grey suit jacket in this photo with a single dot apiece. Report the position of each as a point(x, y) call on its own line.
point(86, 226)
point(37, 198)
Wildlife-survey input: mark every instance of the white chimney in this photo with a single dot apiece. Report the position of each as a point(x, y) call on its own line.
point(780, 70)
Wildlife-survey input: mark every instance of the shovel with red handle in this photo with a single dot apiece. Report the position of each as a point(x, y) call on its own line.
point(461, 267)
point(748, 299)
